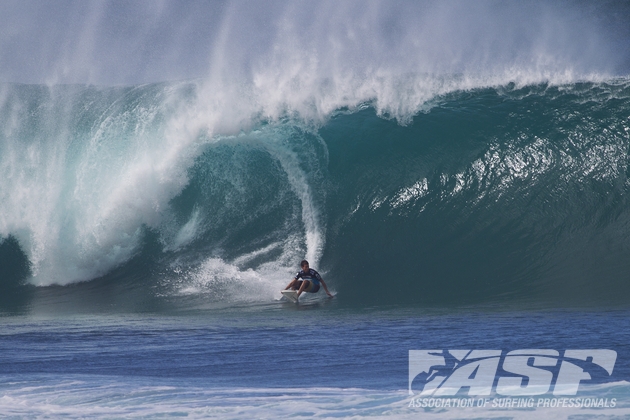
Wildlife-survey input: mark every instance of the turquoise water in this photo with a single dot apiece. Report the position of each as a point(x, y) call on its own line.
point(492, 195)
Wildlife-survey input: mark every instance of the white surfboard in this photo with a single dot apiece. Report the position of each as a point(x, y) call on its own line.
point(291, 295)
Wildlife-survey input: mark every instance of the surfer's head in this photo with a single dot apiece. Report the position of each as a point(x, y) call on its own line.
point(304, 264)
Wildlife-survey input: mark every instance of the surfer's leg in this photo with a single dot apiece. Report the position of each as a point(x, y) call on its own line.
point(294, 285)
point(303, 286)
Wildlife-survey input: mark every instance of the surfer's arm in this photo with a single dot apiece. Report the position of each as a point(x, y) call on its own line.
point(291, 283)
point(325, 287)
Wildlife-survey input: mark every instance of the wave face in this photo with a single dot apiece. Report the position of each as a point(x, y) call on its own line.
point(496, 192)
point(492, 193)
point(415, 153)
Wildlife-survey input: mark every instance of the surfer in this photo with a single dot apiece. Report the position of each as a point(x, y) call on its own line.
point(310, 281)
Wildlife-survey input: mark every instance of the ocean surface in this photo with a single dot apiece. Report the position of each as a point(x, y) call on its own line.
point(146, 229)
point(142, 280)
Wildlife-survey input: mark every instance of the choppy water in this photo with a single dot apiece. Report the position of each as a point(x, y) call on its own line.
point(277, 362)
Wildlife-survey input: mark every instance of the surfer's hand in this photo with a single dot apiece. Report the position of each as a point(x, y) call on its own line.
point(329, 294)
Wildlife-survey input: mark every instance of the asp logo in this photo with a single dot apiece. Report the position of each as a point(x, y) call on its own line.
point(516, 373)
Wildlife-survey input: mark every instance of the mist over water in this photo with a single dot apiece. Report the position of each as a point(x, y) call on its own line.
point(204, 149)
point(284, 43)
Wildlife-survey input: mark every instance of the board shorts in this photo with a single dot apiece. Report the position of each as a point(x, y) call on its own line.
point(313, 286)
